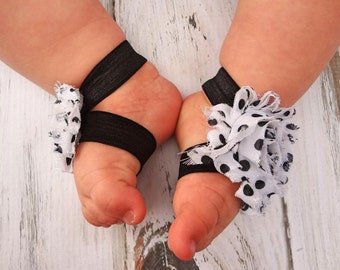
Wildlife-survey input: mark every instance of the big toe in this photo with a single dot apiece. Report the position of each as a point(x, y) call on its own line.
point(204, 205)
point(106, 183)
point(113, 203)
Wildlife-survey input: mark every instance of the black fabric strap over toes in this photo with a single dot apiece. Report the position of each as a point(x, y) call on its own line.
point(187, 168)
point(118, 131)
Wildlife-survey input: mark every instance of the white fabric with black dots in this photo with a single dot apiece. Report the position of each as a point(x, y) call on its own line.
point(66, 124)
point(250, 143)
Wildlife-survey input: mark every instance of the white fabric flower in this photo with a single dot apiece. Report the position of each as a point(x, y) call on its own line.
point(66, 123)
point(250, 143)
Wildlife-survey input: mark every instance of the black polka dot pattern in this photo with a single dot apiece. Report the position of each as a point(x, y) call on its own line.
point(247, 190)
point(207, 160)
point(66, 124)
point(258, 144)
point(259, 184)
point(250, 143)
point(224, 168)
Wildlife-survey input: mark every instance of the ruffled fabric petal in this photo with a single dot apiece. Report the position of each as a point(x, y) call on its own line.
point(66, 124)
point(250, 143)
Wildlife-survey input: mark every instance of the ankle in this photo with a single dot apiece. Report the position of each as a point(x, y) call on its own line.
point(83, 50)
point(192, 118)
point(146, 98)
point(133, 91)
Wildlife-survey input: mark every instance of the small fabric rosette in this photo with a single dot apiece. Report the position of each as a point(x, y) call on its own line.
point(250, 143)
point(66, 124)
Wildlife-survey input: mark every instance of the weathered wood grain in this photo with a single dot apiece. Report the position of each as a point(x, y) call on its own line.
point(41, 226)
point(313, 208)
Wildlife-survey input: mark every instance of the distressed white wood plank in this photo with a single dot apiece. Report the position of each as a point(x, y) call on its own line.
point(313, 199)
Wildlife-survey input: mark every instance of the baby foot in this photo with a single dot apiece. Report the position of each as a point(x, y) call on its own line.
point(204, 203)
point(105, 176)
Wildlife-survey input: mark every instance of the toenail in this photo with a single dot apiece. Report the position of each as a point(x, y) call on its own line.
point(193, 247)
point(129, 217)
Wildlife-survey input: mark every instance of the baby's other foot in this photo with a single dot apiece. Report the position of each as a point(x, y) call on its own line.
point(204, 203)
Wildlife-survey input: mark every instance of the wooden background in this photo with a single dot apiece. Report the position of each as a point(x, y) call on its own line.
point(41, 226)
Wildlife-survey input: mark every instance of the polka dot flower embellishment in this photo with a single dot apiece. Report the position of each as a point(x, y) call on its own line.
point(250, 143)
point(66, 124)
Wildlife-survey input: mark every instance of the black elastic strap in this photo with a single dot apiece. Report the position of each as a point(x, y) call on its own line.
point(185, 168)
point(118, 131)
point(111, 129)
point(110, 73)
point(221, 88)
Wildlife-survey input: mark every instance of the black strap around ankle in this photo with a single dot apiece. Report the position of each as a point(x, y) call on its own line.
point(221, 88)
point(109, 74)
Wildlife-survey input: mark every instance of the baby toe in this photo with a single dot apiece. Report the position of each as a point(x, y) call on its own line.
point(204, 205)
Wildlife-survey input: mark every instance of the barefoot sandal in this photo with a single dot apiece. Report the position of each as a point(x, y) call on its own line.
point(74, 121)
point(249, 141)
